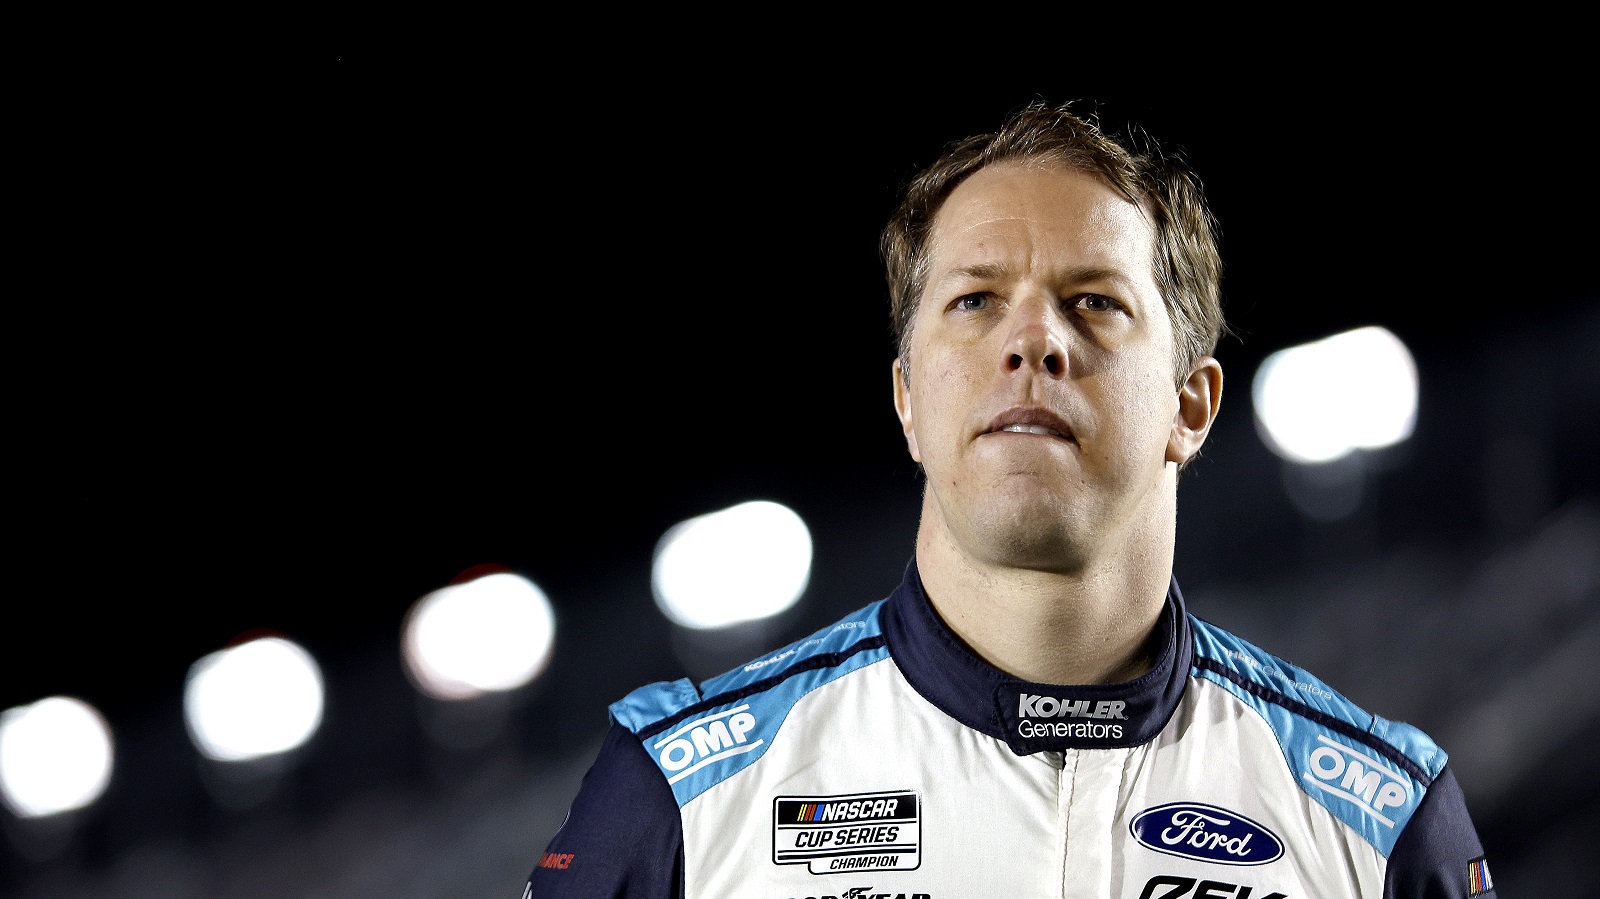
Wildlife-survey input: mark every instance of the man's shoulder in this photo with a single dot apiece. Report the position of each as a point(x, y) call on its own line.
point(1227, 658)
point(646, 708)
point(700, 734)
point(1369, 770)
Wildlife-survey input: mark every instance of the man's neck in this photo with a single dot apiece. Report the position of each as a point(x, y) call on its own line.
point(1081, 627)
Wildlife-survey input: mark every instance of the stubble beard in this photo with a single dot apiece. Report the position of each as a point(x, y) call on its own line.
point(1031, 531)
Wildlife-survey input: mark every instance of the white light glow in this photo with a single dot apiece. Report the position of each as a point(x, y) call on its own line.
point(259, 698)
point(1320, 401)
point(743, 563)
point(55, 756)
point(490, 634)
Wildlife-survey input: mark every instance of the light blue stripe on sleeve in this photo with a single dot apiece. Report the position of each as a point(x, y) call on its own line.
point(704, 749)
point(1351, 778)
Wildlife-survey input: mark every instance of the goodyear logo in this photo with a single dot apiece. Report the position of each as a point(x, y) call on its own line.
point(705, 740)
point(852, 832)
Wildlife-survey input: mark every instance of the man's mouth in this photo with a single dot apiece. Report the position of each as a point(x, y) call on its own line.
point(1031, 420)
point(1032, 429)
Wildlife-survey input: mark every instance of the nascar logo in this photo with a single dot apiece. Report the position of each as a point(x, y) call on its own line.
point(853, 832)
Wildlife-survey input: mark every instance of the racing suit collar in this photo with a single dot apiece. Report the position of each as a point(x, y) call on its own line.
point(1032, 717)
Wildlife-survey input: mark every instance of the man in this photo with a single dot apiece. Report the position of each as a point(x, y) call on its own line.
point(1033, 712)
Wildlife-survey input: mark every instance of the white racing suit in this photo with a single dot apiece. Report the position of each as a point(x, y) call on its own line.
point(880, 758)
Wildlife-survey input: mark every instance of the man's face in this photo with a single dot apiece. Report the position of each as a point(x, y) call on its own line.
point(1041, 399)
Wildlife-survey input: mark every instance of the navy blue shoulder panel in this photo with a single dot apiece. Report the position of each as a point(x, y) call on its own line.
point(1440, 855)
point(622, 835)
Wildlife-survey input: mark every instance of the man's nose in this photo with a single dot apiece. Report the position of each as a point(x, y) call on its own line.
point(1035, 341)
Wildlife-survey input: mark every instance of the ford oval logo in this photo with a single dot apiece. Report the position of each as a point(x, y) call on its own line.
point(1206, 832)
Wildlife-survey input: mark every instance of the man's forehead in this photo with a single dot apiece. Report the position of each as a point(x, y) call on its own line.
point(1010, 191)
point(1009, 216)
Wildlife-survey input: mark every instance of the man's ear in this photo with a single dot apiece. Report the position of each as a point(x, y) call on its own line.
point(902, 408)
point(1199, 398)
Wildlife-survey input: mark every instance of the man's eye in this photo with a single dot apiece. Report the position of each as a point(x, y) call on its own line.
point(1096, 303)
point(972, 302)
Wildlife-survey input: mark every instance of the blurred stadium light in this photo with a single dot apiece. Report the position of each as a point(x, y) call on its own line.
point(743, 563)
point(55, 756)
point(1320, 401)
point(259, 698)
point(487, 634)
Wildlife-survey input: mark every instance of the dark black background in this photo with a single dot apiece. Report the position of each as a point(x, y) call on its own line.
point(293, 340)
point(297, 343)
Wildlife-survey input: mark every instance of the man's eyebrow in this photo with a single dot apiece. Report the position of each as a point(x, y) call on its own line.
point(980, 271)
point(1093, 274)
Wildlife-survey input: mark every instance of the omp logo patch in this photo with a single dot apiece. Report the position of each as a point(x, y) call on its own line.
point(852, 832)
point(705, 740)
point(1209, 833)
point(1357, 777)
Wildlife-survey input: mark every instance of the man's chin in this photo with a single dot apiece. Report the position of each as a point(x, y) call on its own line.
point(1038, 538)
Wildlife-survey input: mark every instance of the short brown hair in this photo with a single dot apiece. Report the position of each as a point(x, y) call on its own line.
point(1188, 266)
